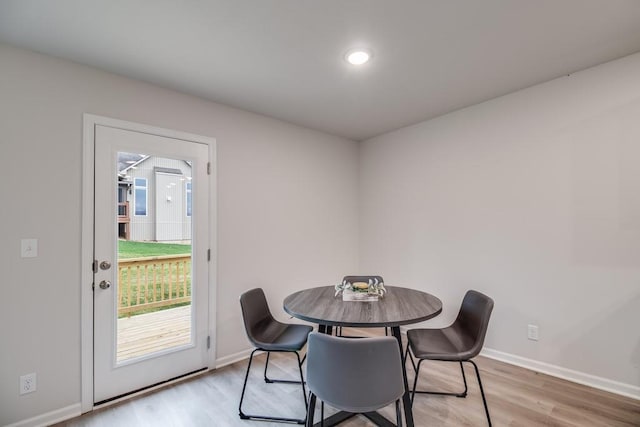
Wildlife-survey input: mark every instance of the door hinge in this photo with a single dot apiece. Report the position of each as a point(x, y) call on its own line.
point(209, 342)
point(208, 254)
point(209, 168)
point(94, 266)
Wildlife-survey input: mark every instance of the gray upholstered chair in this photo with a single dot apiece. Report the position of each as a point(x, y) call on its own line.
point(459, 342)
point(356, 376)
point(269, 335)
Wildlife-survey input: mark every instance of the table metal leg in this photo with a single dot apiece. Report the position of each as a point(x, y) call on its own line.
point(325, 329)
point(335, 419)
point(378, 419)
point(342, 416)
point(406, 398)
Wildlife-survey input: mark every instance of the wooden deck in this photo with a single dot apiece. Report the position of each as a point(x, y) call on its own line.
point(151, 332)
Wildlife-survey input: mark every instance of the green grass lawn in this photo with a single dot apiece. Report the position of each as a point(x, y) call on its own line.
point(129, 249)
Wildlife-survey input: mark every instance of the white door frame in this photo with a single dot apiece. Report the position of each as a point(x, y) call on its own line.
point(86, 273)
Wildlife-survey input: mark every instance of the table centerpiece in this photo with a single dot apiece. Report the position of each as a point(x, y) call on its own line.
point(371, 290)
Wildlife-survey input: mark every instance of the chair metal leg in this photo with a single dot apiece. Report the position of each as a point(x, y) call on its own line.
point(408, 353)
point(484, 400)
point(244, 385)
point(398, 414)
point(266, 365)
point(266, 417)
point(311, 409)
point(464, 378)
point(415, 380)
point(322, 413)
point(276, 381)
point(439, 393)
point(304, 392)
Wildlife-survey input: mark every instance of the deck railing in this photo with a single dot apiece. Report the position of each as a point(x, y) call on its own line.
point(153, 282)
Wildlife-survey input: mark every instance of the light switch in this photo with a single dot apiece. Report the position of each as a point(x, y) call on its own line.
point(29, 248)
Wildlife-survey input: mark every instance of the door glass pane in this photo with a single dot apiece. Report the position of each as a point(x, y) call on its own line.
point(153, 299)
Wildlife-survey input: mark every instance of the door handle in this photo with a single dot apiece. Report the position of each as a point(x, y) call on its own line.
point(105, 284)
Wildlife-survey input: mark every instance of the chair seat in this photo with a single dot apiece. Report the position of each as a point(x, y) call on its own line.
point(450, 344)
point(275, 336)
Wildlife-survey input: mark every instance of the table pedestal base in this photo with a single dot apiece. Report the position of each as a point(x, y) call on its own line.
point(339, 417)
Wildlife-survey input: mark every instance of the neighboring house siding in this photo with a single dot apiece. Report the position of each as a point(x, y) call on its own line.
point(166, 217)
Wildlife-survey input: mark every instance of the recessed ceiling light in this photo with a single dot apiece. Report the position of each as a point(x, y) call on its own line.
point(358, 56)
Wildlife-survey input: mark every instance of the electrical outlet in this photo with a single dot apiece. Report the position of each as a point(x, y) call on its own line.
point(29, 248)
point(28, 383)
point(532, 332)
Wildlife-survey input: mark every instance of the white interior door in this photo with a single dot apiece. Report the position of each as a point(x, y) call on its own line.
point(150, 297)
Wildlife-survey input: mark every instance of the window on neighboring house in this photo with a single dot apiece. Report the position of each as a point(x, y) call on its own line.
point(188, 198)
point(140, 190)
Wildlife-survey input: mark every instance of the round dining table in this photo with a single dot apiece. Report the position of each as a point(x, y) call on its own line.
point(399, 306)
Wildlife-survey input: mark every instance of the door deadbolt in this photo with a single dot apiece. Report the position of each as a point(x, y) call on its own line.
point(105, 284)
point(105, 265)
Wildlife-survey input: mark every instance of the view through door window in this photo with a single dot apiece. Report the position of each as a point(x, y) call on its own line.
point(154, 255)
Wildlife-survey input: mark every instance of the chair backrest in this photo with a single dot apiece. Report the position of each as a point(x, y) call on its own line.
point(354, 279)
point(255, 313)
point(473, 319)
point(355, 375)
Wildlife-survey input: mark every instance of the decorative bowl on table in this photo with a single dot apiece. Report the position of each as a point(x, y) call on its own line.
point(370, 290)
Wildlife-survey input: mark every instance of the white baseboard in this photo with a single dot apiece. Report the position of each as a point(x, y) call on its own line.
point(49, 418)
point(605, 384)
point(233, 358)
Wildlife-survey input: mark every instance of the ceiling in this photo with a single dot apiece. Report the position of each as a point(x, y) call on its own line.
point(285, 58)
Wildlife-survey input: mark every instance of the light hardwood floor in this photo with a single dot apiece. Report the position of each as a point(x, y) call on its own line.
point(516, 397)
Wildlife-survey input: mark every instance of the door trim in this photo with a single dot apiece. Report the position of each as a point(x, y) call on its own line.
point(86, 272)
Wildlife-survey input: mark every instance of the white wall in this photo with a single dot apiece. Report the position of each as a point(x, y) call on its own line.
point(533, 198)
point(287, 214)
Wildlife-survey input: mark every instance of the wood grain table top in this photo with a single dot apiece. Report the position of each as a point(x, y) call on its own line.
point(399, 306)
